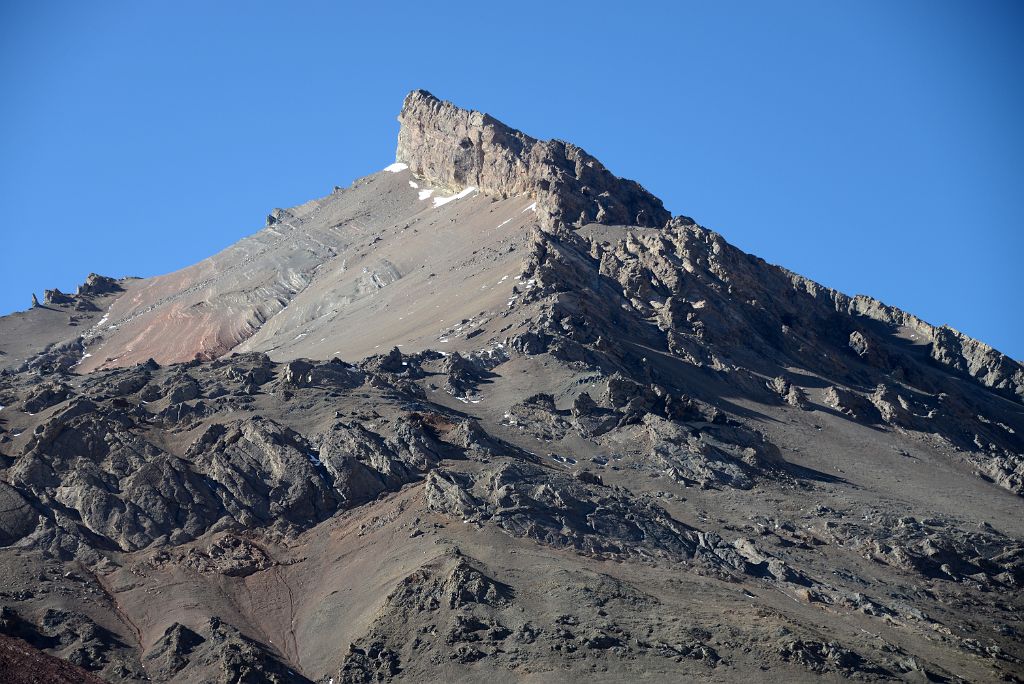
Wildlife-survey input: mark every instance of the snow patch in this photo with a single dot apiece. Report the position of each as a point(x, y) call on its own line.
point(424, 194)
point(396, 167)
point(440, 201)
point(532, 207)
point(413, 184)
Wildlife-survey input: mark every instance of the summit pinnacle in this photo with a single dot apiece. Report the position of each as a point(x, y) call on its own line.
point(456, 148)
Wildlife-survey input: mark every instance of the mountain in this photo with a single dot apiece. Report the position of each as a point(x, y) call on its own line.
point(492, 413)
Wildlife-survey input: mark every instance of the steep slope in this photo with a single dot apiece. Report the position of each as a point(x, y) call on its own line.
point(491, 413)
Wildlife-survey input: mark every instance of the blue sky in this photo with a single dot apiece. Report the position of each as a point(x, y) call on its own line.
point(875, 147)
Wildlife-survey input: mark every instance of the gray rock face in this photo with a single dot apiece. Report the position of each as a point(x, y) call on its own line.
point(96, 284)
point(560, 511)
point(55, 296)
point(457, 148)
point(181, 652)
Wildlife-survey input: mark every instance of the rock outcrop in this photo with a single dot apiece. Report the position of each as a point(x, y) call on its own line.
point(457, 148)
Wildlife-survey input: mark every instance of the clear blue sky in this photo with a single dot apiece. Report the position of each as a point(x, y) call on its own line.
point(876, 147)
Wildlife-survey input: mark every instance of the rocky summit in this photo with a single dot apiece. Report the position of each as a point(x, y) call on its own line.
point(492, 414)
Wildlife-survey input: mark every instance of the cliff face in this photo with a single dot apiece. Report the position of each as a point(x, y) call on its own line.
point(458, 148)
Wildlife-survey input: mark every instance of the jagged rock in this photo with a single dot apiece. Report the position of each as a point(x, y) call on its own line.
point(558, 510)
point(851, 403)
point(85, 643)
point(392, 362)
point(278, 215)
point(760, 562)
point(83, 304)
point(449, 587)
point(298, 372)
point(719, 456)
point(124, 382)
point(46, 396)
point(265, 470)
point(56, 297)
point(17, 517)
point(859, 344)
point(57, 358)
point(96, 284)
point(462, 375)
point(934, 549)
point(590, 419)
point(788, 392)
point(821, 656)
point(538, 416)
point(242, 659)
point(182, 388)
point(229, 555)
point(893, 408)
point(456, 148)
point(170, 654)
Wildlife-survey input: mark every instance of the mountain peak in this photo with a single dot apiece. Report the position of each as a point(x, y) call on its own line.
point(580, 432)
point(457, 148)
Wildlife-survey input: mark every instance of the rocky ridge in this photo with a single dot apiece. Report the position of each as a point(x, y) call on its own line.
point(455, 148)
point(616, 451)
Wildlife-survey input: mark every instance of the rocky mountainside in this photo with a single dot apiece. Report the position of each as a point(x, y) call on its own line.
point(493, 413)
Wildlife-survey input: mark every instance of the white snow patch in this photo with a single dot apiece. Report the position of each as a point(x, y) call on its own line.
point(396, 167)
point(300, 336)
point(424, 194)
point(439, 201)
point(314, 459)
point(413, 184)
point(532, 207)
point(503, 223)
